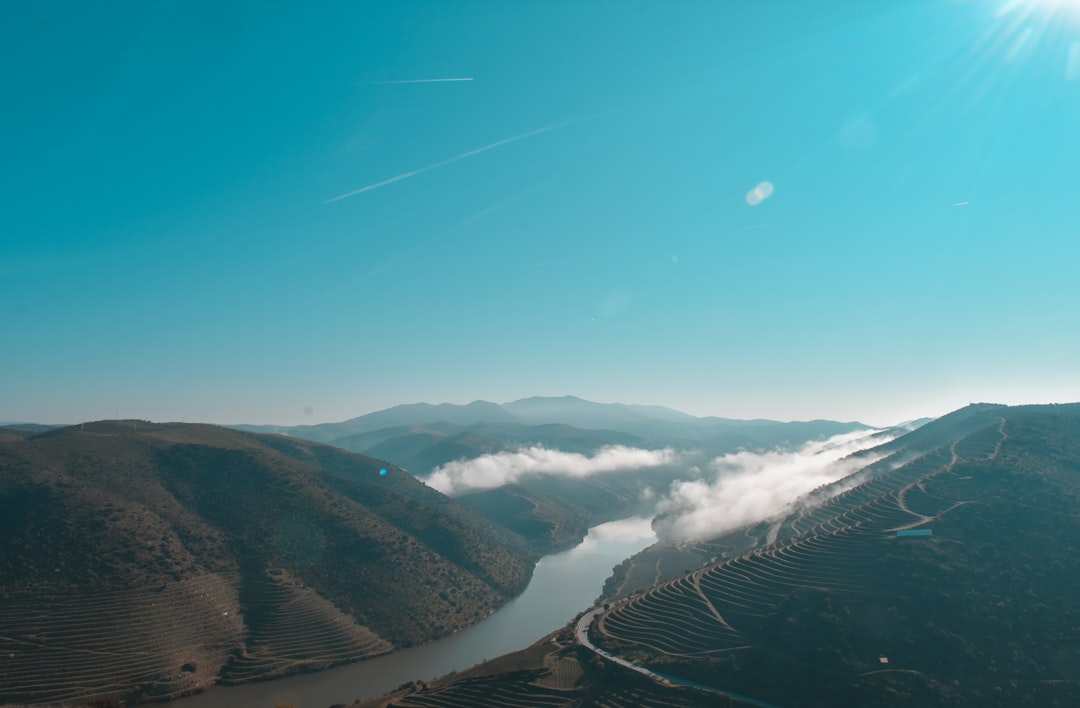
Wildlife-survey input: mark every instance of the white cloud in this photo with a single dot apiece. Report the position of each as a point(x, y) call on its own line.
point(495, 470)
point(632, 529)
point(748, 487)
point(635, 528)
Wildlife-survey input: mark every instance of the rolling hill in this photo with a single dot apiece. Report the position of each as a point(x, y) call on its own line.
point(942, 573)
point(144, 561)
point(422, 448)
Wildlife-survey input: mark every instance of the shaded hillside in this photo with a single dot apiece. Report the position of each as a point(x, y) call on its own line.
point(423, 448)
point(363, 442)
point(550, 523)
point(551, 512)
point(142, 560)
point(841, 604)
point(28, 428)
point(554, 513)
point(422, 453)
point(981, 612)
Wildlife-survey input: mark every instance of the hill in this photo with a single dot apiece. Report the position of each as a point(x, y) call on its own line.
point(651, 425)
point(420, 448)
point(146, 560)
point(554, 512)
point(550, 512)
point(17, 431)
point(942, 573)
point(397, 416)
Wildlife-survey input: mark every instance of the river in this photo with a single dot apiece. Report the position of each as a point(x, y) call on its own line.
point(562, 585)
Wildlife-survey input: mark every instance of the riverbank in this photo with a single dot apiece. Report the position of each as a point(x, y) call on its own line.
point(563, 584)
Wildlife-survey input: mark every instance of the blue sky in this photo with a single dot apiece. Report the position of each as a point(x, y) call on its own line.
point(573, 219)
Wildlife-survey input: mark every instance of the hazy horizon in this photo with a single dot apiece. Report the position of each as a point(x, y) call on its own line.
point(311, 420)
point(285, 215)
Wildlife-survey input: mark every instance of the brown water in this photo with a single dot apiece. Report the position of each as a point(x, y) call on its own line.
point(563, 585)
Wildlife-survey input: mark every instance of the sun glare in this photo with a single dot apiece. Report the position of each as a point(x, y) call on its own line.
point(1042, 10)
point(1052, 24)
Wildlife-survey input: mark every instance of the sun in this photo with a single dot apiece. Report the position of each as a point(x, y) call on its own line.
point(1052, 26)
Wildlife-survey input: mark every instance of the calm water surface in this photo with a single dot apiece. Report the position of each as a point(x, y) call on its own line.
point(562, 585)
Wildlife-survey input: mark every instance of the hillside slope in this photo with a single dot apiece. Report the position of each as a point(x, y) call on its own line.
point(851, 608)
point(840, 604)
point(142, 560)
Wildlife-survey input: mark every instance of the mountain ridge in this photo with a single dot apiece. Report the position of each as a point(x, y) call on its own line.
point(535, 410)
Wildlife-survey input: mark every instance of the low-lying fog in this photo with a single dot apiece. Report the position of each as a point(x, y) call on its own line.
point(497, 469)
point(709, 498)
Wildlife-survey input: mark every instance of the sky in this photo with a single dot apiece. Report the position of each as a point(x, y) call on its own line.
point(273, 212)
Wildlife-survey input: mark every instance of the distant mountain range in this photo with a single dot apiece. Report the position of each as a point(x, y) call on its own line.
point(652, 424)
point(554, 513)
point(422, 436)
point(143, 561)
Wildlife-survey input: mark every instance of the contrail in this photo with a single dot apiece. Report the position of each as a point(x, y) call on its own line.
point(961, 204)
point(422, 81)
point(448, 161)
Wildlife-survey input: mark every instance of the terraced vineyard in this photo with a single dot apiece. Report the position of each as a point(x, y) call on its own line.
point(647, 620)
point(514, 692)
point(643, 698)
point(547, 674)
point(565, 675)
point(293, 628)
point(520, 691)
point(145, 561)
point(69, 648)
point(827, 546)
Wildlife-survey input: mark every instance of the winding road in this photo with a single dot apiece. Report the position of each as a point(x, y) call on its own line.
point(582, 632)
point(583, 624)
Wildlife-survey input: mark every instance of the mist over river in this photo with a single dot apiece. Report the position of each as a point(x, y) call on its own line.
point(562, 585)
